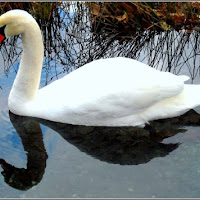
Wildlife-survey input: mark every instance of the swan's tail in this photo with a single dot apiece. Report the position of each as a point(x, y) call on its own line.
point(175, 106)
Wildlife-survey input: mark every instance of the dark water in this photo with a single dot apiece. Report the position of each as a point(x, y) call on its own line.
point(46, 159)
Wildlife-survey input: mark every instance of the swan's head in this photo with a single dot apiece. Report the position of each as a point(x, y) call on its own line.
point(14, 22)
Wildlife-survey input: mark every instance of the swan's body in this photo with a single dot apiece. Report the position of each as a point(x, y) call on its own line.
point(106, 92)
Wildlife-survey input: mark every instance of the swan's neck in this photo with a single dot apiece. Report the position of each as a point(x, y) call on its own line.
point(28, 77)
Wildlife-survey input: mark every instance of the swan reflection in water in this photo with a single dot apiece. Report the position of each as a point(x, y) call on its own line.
point(31, 136)
point(122, 145)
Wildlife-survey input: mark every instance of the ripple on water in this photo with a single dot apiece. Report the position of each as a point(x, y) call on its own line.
point(11, 148)
point(4, 116)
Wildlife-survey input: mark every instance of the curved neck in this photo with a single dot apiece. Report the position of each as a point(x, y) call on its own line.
point(27, 80)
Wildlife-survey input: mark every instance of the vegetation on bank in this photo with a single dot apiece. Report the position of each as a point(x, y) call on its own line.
point(147, 15)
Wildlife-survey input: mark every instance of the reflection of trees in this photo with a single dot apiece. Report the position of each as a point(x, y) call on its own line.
point(70, 41)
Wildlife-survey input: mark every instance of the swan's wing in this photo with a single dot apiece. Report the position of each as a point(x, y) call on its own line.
point(127, 100)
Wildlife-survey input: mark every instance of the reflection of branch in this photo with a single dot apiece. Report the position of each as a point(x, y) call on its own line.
point(31, 136)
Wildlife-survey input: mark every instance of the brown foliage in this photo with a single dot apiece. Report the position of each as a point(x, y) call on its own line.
point(164, 15)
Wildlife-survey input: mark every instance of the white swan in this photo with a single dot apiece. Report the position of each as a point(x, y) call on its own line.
point(105, 92)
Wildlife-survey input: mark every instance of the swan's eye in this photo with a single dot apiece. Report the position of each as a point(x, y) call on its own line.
point(2, 34)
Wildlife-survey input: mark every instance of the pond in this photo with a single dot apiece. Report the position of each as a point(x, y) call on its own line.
point(43, 159)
